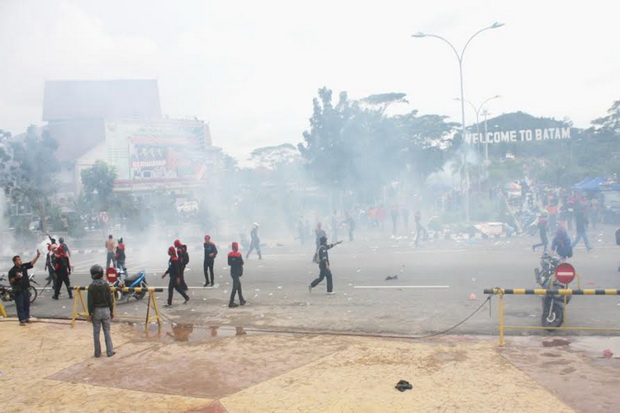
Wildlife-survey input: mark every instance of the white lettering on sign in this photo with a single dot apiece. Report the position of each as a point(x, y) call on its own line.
point(521, 135)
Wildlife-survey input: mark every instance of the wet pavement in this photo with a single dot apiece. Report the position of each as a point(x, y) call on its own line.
point(47, 366)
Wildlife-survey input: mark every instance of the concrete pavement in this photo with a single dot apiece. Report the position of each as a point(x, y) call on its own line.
point(49, 366)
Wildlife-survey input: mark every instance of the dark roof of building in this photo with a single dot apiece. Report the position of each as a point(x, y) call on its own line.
point(97, 99)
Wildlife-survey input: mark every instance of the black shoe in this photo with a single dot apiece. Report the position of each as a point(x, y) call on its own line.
point(186, 300)
point(168, 305)
point(242, 302)
point(233, 305)
point(206, 285)
point(113, 353)
point(70, 297)
point(55, 297)
point(212, 284)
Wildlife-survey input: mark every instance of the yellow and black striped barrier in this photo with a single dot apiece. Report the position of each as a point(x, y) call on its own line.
point(565, 292)
point(78, 299)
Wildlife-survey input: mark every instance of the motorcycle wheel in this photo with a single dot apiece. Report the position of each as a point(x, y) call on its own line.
point(141, 294)
point(553, 318)
point(32, 294)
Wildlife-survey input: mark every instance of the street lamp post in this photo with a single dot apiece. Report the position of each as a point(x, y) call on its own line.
point(459, 57)
point(477, 110)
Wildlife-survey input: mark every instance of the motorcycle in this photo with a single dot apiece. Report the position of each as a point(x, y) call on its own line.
point(7, 294)
point(118, 277)
point(553, 304)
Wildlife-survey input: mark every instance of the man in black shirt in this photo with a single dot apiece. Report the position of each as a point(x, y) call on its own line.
point(210, 253)
point(18, 278)
point(100, 310)
point(325, 271)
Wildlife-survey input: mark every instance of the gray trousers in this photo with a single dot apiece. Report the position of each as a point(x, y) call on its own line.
point(102, 316)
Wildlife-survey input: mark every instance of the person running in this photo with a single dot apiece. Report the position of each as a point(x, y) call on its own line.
point(543, 229)
point(325, 271)
point(18, 278)
point(581, 225)
point(254, 242)
point(235, 262)
point(210, 254)
point(174, 270)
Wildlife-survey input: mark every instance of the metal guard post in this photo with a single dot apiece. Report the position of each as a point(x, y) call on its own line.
point(78, 297)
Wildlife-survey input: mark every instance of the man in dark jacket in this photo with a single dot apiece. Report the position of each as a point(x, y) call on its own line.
point(325, 271)
point(210, 254)
point(62, 268)
point(100, 310)
point(183, 257)
point(581, 225)
point(18, 278)
point(174, 269)
point(235, 261)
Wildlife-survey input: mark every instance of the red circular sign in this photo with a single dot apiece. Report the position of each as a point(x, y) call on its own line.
point(565, 273)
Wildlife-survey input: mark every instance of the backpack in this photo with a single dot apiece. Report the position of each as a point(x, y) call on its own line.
point(618, 236)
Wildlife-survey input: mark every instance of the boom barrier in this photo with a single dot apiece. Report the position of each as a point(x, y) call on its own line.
point(78, 299)
point(565, 292)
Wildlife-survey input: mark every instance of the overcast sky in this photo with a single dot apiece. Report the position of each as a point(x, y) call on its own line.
point(251, 68)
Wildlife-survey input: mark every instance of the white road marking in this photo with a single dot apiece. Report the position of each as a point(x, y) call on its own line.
point(401, 286)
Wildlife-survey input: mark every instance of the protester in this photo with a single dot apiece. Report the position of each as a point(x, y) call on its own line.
point(18, 278)
point(350, 225)
point(419, 229)
point(61, 243)
point(110, 247)
point(325, 271)
point(542, 227)
point(174, 270)
point(319, 233)
point(183, 257)
point(581, 225)
point(49, 267)
point(210, 254)
point(235, 262)
point(561, 243)
point(120, 256)
point(100, 310)
point(254, 242)
point(62, 268)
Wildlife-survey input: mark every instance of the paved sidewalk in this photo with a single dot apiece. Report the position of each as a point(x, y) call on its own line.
point(49, 366)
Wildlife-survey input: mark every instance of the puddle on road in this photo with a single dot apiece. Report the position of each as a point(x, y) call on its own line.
point(186, 332)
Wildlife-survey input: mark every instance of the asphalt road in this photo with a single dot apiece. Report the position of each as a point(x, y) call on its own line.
point(431, 294)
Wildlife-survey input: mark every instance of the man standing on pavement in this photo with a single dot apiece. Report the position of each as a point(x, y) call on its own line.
point(174, 270)
point(18, 278)
point(110, 248)
point(61, 243)
point(100, 310)
point(235, 262)
point(325, 271)
point(254, 242)
point(210, 253)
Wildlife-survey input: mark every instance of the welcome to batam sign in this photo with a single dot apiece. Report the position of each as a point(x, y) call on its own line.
point(521, 135)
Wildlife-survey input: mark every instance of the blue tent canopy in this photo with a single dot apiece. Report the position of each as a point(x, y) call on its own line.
point(589, 184)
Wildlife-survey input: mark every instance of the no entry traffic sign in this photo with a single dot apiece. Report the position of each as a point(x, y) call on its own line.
point(565, 273)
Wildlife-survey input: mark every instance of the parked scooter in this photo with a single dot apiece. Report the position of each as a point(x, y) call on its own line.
point(7, 294)
point(118, 277)
point(553, 304)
